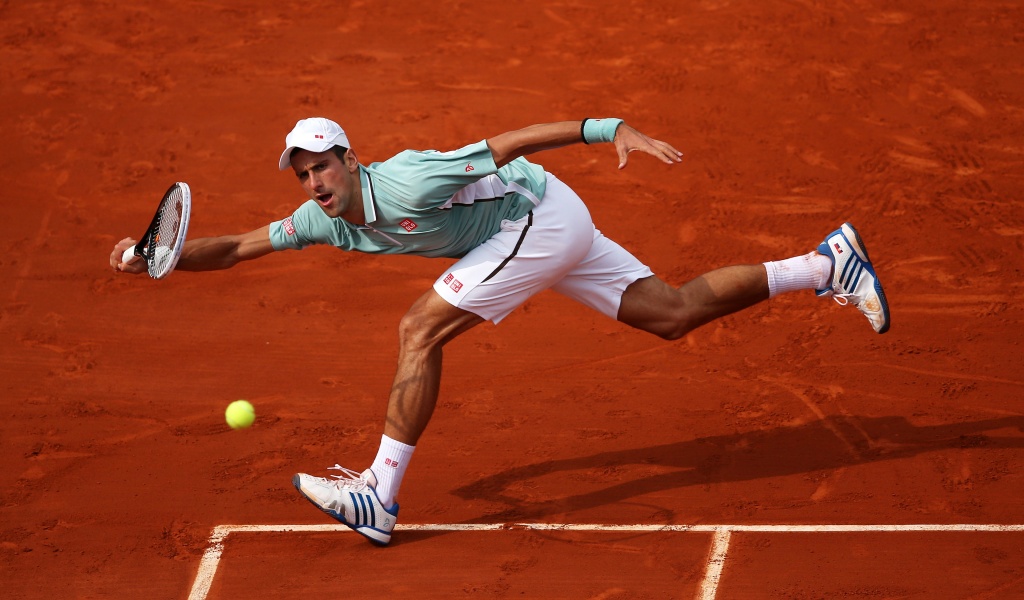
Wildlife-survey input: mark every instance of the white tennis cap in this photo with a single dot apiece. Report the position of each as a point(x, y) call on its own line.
point(316, 135)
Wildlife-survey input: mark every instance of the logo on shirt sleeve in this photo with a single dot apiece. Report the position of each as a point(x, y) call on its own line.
point(289, 228)
point(469, 168)
point(408, 224)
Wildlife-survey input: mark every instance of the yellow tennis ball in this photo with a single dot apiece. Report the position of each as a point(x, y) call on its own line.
point(240, 414)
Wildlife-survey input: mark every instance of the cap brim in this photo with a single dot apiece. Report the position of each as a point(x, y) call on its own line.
point(286, 156)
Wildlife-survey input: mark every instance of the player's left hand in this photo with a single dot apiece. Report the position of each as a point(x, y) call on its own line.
point(629, 140)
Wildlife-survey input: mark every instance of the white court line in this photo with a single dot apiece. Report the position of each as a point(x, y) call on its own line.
point(716, 563)
point(208, 565)
point(712, 573)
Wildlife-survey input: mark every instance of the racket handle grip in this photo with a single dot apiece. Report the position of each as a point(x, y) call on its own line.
point(129, 256)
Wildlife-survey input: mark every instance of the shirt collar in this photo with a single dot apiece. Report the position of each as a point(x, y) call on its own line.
point(369, 210)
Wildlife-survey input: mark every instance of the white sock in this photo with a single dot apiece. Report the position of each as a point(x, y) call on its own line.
point(812, 271)
point(389, 468)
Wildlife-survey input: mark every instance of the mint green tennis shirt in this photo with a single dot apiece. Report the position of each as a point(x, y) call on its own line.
point(428, 203)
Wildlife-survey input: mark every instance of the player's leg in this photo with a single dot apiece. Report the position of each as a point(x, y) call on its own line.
point(430, 324)
point(424, 330)
point(839, 268)
point(615, 283)
point(366, 501)
point(652, 305)
point(526, 257)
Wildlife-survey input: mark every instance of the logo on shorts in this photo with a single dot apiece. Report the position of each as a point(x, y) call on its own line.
point(391, 463)
point(469, 168)
point(408, 225)
point(289, 228)
point(453, 283)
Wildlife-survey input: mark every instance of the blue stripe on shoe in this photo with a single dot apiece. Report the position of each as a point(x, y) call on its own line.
point(845, 274)
point(362, 501)
point(853, 276)
point(355, 507)
point(373, 514)
point(860, 273)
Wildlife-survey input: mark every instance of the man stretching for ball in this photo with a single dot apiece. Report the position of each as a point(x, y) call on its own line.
point(516, 230)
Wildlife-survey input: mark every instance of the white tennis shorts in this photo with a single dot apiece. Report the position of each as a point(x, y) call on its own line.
point(556, 246)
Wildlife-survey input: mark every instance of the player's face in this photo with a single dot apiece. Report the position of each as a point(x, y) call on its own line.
point(332, 182)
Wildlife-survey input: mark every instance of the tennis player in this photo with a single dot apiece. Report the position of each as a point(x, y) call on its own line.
point(516, 230)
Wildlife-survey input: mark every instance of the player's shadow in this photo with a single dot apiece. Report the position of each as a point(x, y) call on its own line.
point(831, 443)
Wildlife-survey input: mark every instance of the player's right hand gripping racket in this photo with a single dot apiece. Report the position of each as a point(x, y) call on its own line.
point(162, 243)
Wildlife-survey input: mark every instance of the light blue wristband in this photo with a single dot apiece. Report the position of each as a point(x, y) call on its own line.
point(599, 130)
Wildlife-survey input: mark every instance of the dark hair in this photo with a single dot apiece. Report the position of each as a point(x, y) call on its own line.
point(338, 151)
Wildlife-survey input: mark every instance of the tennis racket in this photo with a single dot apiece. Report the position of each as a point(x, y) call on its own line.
point(161, 245)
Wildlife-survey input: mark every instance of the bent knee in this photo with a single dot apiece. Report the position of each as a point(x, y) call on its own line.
point(668, 324)
point(652, 306)
point(432, 322)
point(672, 334)
point(415, 329)
point(673, 328)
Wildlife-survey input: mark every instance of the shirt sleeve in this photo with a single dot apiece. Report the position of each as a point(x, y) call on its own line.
point(308, 225)
point(428, 178)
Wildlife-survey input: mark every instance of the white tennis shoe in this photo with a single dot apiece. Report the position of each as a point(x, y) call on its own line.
point(351, 499)
point(853, 276)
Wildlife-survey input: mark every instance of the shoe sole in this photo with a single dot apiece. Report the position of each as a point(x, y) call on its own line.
point(297, 482)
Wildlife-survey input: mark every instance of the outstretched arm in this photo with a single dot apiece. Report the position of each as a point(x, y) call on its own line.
point(521, 142)
point(205, 254)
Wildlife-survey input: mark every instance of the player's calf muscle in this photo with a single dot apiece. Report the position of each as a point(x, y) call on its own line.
point(653, 306)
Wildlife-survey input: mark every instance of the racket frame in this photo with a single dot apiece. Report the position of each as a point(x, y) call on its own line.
point(146, 247)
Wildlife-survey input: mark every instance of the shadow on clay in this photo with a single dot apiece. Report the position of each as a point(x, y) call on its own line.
point(831, 443)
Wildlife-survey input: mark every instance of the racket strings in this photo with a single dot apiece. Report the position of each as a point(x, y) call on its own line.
point(164, 247)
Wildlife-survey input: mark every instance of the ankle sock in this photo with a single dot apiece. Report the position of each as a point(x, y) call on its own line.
point(389, 468)
point(811, 271)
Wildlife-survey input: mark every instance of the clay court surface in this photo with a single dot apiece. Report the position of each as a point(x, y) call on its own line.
point(905, 118)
